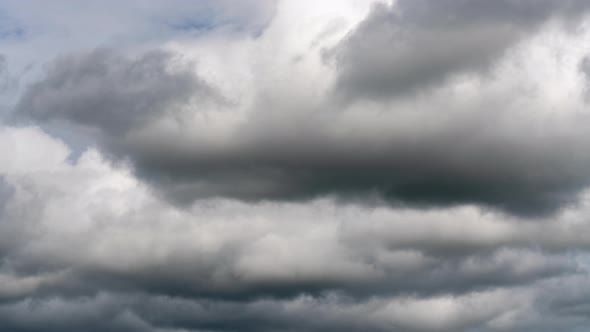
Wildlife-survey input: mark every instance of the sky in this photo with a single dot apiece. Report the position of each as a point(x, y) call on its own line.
point(295, 166)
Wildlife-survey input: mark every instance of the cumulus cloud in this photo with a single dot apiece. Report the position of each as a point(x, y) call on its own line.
point(491, 139)
point(302, 166)
point(412, 45)
point(111, 92)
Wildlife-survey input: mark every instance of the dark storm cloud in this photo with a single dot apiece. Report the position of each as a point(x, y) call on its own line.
point(496, 174)
point(417, 44)
point(333, 312)
point(138, 312)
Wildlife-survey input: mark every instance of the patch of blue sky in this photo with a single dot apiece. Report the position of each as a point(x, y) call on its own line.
point(206, 19)
point(200, 25)
point(196, 26)
point(193, 24)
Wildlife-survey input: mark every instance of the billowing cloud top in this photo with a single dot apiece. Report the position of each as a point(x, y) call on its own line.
point(357, 165)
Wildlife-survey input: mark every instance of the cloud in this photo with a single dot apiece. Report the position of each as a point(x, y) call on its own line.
point(7, 81)
point(412, 45)
point(219, 181)
point(134, 19)
point(101, 249)
point(491, 139)
point(33, 32)
point(109, 91)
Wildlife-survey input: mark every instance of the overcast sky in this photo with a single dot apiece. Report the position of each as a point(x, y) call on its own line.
point(295, 166)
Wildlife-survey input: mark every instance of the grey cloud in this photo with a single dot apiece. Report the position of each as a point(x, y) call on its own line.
point(109, 91)
point(248, 262)
point(466, 173)
point(584, 68)
point(470, 200)
point(224, 277)
point(490, 151)
point(7, 81)
point(403, 48)
point(333, 312)
point(240, 269)
point(105, 252)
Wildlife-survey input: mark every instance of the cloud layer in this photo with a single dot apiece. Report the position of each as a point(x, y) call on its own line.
point(416, 166)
